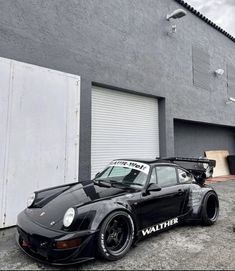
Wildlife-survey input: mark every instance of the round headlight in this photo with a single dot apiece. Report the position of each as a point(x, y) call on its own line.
point(69, 217)
point(30, 200)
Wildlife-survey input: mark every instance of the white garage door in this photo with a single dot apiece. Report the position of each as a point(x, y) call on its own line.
point(124, 125)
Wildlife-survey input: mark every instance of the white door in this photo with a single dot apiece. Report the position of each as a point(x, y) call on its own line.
point(5, 72)
point(41, 135)
point(124, 125)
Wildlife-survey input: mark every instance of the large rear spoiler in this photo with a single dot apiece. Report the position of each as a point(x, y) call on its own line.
point(211, 163)
point(201, 168)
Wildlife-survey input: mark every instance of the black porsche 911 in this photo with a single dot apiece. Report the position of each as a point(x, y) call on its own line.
point(129, 200)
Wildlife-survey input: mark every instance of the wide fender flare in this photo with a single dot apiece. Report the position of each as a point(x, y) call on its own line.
point(106, 208)
point(197, 196)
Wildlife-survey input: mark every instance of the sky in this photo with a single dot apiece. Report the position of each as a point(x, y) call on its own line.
point(221, 12)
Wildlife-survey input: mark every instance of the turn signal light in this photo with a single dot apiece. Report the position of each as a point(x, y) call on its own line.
point(68, 244)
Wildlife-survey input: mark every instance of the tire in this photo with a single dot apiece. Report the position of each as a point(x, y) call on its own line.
point(210, 209)
point(115, 236)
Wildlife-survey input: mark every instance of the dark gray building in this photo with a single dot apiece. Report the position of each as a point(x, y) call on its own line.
point(145, 90)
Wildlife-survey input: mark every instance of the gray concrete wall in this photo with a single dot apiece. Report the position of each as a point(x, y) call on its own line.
point(124, 44)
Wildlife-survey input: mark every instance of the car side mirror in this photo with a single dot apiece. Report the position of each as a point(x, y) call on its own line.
point(154, 187)
point(184, 175)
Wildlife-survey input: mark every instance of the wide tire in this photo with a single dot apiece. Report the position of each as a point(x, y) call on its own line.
point(116, 236)
point(210, 209)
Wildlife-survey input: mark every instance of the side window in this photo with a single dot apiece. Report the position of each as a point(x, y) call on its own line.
point(166, 176)
point(184, 176)
point(153, 178)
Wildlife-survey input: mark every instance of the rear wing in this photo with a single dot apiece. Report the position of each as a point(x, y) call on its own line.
point(201, 168)
point(211, 163)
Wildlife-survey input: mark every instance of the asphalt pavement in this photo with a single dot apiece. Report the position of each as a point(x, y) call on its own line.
point(181, 248)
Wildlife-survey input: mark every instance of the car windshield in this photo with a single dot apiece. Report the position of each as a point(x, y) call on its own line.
point(125, 173)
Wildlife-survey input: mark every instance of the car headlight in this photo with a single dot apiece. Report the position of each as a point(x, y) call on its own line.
point(69, 217)
point(30, 200)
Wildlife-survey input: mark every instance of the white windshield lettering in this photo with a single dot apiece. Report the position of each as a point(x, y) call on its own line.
point(131, 164)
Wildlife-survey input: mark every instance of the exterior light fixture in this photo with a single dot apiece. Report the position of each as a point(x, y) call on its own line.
point(219, 72)
point(230, 100)
point(176, 14)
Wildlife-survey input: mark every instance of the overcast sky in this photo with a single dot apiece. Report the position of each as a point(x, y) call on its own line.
point(221, 12)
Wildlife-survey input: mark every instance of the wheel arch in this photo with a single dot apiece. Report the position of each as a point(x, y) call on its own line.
point(105, 210)
point(123, 210)
point(197, 200)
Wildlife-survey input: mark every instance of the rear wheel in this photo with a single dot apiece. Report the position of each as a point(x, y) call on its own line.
point(116, 236)
point(210, 209)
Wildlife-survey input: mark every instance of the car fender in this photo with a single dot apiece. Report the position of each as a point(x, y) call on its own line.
point(196, 200)
point(98, 211)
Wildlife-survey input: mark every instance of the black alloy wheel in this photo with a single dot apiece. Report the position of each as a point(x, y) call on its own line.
point(116, 235)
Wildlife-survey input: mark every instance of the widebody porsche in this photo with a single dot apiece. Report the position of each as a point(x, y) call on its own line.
point(129, 200)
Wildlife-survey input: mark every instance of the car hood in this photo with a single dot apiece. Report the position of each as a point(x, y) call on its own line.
point(50, 214)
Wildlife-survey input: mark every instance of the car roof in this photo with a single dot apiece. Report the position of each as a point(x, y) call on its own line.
point(147, 160)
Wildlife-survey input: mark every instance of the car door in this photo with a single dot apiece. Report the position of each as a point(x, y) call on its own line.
point(159, 206)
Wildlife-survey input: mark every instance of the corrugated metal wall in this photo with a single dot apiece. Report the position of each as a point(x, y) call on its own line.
point(124, 125)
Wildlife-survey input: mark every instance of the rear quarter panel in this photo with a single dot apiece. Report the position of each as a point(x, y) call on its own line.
point(196, 199)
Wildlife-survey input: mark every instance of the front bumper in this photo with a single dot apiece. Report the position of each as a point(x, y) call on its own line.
point(39, 243)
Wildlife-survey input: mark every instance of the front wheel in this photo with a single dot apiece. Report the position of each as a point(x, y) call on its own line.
point(116, 236)
point(210, 209)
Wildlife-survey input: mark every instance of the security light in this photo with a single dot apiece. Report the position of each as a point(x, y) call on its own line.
point(230, 100)
point(219, 72)
point(176, 14)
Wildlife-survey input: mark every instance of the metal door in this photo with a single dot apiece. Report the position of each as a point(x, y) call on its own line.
point(41, 147)
point(5, 68)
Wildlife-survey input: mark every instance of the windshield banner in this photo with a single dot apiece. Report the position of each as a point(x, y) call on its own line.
point(131, 164)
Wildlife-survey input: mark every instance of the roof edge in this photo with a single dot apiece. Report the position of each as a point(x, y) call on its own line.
point(205, 19)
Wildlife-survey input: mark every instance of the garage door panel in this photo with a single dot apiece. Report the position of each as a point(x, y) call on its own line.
point(193, 139)
point(123, 125)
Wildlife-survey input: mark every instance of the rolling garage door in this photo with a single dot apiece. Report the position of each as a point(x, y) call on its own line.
point(124, 125)
point(192, 139)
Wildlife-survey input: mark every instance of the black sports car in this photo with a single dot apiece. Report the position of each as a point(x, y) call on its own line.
point(128, 200)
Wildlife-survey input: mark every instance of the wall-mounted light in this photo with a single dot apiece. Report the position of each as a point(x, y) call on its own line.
point(230, 100)
point(219, 72)
point(176, 14)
